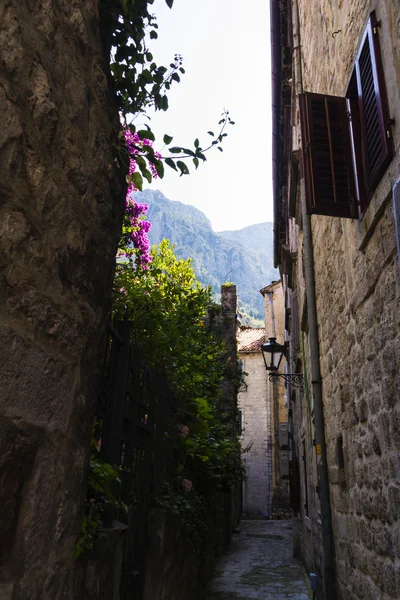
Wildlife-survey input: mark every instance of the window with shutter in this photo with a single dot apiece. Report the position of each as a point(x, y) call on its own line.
point(376, 138)
point(327, 156)
point(347, 142)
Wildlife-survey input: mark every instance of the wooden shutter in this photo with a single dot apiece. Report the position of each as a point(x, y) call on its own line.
point(327, 157)
point(377, 143)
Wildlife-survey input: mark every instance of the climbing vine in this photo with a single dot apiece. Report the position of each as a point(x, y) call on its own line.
point(103, 484)
point(141, 86)
point(168, 308)
point(171, 312)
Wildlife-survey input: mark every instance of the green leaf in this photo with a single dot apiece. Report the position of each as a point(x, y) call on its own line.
point(196, 162)
point(175, 150)
point(175, 77)
point(169, 3)
point(140, 162)
point(182, 167)
point(143, 168)
point(146, 76)
point(146, 134)
point(171, 163)
point(188, 151)
point(159, 168)
point(220, 149)
point(149, 153)
point(164, 103)
point(146, 173)
point(167, 139)
point(137, 180)
point(201, 155)
point(210, 133)
point(196, 143)
point(153, 35)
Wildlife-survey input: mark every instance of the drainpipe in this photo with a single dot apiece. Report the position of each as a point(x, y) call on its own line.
point(271, 306)
point(276, 76)
point(320, 442)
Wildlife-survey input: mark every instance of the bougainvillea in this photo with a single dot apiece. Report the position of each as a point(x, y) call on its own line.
point(135, 241)
point(169, 311)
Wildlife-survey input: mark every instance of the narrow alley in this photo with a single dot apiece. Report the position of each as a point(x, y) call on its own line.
point(259, 564)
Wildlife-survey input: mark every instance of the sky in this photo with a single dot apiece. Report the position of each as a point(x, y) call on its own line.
point(226, 54)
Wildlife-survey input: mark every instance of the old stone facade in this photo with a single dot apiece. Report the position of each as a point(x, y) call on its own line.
point(274, 314)
point(354, 266)
point(255, 412)
point(264, 417)
point(62, 199)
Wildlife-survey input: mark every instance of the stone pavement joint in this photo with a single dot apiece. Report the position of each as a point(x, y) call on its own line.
point(259, 565)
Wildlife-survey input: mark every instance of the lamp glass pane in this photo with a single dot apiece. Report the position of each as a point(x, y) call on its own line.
point(276, 358)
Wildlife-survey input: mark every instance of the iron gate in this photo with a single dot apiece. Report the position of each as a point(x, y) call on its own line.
point(135, 413)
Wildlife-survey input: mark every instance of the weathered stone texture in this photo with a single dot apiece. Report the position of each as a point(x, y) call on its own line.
point(226, 323)
point(357, 303)
point(257, 437)
point(61, 202)
point(274, 311)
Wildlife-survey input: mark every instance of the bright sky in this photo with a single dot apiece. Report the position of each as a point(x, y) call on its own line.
point(226, 50)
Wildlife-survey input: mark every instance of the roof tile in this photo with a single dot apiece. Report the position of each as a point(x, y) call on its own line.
point(250, 339)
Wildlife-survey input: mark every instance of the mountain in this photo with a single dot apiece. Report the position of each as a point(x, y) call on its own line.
point(256, 237)
point(244, 256)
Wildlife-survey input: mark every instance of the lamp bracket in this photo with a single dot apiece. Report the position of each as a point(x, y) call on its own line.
point(296, 380)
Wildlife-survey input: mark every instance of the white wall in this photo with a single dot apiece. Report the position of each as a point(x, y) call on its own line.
point(256, 437)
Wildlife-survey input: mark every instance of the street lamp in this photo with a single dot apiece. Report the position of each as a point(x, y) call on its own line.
point(272, 354)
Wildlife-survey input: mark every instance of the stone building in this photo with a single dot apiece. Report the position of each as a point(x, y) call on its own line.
point(264, 417)
point(255, 418)
point(336, 134)
point(274, 315)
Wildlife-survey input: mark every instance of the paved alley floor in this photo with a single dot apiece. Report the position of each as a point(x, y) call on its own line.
point(259, 564)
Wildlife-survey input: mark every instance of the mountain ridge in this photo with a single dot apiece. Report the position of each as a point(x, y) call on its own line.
point(243, 256)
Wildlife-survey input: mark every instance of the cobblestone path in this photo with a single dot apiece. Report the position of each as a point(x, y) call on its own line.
point(259, 564)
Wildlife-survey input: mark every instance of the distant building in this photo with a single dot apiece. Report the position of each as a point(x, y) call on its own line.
point(274, 315)
point(263, 409)
point(256, 424)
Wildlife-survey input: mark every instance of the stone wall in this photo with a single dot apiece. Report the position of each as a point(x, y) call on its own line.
point(358, 301)
point(61, 203)
point(255, 406)
point(274, 311)
point(226, 324)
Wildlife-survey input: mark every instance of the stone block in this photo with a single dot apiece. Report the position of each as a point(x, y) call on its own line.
point(394, 501)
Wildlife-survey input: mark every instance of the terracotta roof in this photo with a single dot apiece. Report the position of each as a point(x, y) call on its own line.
point(270, 287)
point(250, 339)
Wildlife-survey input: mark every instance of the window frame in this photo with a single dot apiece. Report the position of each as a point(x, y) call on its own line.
point(355, 155)
point(367, 180)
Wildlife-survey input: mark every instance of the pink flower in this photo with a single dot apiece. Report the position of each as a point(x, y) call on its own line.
point(184, 431)
point(137, 237)
point(187, 485)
